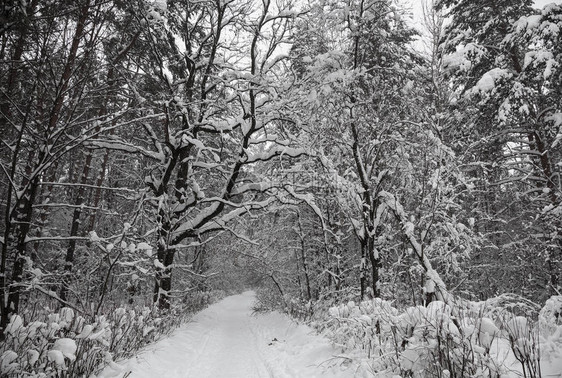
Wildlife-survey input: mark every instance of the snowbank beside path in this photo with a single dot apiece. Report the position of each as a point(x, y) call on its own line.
point(226, 340)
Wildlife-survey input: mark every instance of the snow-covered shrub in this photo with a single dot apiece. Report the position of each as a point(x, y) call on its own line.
point(550, 330)
point(550, 316)
point(524, 341)
point(298, 308)
point(66, 344)
point(456, 339)
point(268, 299)
point(417, 342)
point(59, 344)
point(320, 309)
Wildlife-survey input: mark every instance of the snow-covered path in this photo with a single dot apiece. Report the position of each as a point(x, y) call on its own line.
point(226, 340)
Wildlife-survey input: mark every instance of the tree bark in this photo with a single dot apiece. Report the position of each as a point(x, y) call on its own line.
point(74, 228)
point(21, 219)
point(363, 270)
point(303, 257)
point(375, 267)
point(46, 195)
point(96, 198)
point(553, 242)
point(22, 212)
point(163, 278)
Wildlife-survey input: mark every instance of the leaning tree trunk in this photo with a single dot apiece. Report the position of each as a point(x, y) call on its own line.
point(23, 209)
point(435, 287)
point(7, 193)
point(20, 219)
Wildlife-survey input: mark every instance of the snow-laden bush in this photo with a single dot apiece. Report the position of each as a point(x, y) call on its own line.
point(550, 315)
point(267, 300)
point(500, 337)
point(550, 328)
point(298, 308)
point(60, 344)
point(416, 342)
point(66, 344)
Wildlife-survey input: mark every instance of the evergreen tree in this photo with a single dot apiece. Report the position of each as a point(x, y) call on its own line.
point(504, 58)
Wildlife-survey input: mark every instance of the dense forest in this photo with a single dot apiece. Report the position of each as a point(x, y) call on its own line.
point(155, 154)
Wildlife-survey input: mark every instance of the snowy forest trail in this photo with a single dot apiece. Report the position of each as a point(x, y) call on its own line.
point(227, 340)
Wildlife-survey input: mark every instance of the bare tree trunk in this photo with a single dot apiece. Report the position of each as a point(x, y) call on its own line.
point(7, 192)
point(375, 267)
point(303, 257)
point(96, 198)
point(363, 270)
point(5, 96)
point(165, 256)
point(22, 212)
point(21, 219)
point(84, 178)
point(42, 222)
point(163, 278)
point(553, 242)
point(74, 227)
point(111, 84)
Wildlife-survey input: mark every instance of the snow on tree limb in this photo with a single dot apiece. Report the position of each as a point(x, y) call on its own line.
point(437, 286)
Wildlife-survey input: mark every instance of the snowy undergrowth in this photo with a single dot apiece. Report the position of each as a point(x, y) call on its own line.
point(501, 337)
point(66, 344)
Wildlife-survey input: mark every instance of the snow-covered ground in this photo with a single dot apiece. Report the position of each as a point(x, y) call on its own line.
point(226, 340)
